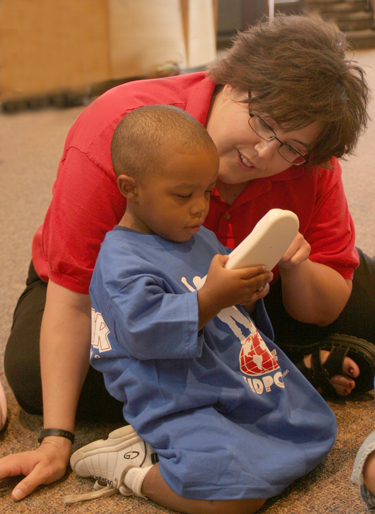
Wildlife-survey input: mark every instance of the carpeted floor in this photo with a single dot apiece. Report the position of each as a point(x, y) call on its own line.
point(31, 145)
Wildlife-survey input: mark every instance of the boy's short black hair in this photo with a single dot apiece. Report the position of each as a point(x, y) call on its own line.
point(144, 136)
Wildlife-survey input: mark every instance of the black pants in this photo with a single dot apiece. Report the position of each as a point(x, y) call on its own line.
point(357, 319)
point(22, 361)
point(22, 367)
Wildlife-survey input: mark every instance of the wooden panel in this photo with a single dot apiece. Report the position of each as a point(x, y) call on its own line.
point(46, 46)
point(200, 31)
point(143, 35)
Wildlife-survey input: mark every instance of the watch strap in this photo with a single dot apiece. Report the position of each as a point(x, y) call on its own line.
point(45, 432)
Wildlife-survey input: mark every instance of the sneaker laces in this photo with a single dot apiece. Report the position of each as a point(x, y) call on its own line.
point(102, 488)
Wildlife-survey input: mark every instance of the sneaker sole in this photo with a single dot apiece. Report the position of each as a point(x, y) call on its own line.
point(117, 440)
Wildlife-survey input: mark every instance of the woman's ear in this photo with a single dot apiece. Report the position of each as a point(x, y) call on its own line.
point(227, 90)
point(233, 93)
point(128, 187)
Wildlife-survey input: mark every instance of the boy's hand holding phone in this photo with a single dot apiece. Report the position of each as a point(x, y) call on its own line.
point(243, 277)
point(224, 288)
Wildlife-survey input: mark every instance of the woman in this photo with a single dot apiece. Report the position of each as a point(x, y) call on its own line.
point(281, 107)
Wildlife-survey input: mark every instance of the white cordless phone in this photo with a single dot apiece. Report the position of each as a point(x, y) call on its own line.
point(266, 244)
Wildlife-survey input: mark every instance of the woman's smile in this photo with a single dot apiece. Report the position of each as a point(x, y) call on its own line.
point(245, 161)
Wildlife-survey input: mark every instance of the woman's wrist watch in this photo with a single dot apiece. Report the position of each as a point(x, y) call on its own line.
point(45, 432)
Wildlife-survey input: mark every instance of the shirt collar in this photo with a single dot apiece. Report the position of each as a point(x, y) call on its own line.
point(199, 100)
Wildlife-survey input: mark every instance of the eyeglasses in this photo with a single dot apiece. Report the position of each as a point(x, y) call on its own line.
point(287, 152)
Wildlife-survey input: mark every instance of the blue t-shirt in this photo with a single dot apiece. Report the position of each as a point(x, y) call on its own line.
point(227, 412)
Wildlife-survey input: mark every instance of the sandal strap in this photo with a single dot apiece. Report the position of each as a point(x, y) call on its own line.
point(335, 361)
point(306, 372)
point(321, 376)
point(341, 346)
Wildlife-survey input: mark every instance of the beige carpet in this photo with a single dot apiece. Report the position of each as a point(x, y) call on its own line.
point(30, 148)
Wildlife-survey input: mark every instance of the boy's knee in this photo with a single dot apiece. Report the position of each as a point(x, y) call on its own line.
point(155, 488)
point(246, 506)
point(249, 506)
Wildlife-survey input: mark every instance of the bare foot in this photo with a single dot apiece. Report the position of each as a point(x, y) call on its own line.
point(342, 383)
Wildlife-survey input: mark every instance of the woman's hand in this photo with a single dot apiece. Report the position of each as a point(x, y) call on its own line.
point(312, 292)
point(65, 347)
point(44, 465)
point(298, 251)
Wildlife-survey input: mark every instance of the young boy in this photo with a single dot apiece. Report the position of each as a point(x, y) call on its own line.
point(230, 418)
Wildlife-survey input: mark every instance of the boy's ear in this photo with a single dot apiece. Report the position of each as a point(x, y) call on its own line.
point(128, 187)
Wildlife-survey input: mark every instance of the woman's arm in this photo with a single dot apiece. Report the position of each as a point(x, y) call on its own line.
point(64, 352)
point(65, 343)
point(312, 292)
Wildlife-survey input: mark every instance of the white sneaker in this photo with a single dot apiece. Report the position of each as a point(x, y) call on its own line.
point(108, 460)
point(3, 408)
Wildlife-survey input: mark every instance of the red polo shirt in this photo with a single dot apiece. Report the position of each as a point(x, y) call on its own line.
point(318, 199)
point(86, 202)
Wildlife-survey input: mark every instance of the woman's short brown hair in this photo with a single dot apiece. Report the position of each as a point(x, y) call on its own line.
point(298, 73)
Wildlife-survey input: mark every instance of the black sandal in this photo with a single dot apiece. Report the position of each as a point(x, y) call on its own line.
point(340, 346)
